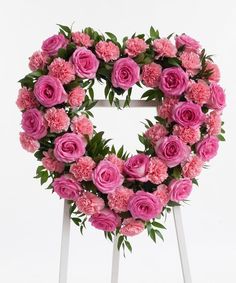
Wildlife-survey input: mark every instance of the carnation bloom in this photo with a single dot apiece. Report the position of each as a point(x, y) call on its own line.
point(82, 125)
point(187, 134)
point(192, 167)
point(151, 74)
point(51, 163)
point(116, 161)
point(215, 71)
point(135, 46)
point(82, 39)
point(198, 92)
point(62, 70)
point(157, 171)
point(213, 123)
point(28, 143)
point(155, 132)
point(165, 109)
point(89, 204)
point(83, 168)
point(38, 60)
point(162, 193)
point(107, 51)
point(191, 62)
point(76, 97)
point(164, 48)
point(26, 99)
point(119, 198)
point(57, 120)
point(132, 227)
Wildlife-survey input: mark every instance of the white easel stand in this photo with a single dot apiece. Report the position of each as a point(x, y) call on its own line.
point(116, 255)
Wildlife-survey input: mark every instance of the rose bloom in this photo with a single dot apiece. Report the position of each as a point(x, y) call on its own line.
point(82, 125)
point(151, 74)
point(69, 147)
point(125, 73)
point(49, 91)
point(26, 99)
point(54, 43)
point(62, 70)
point(162, 193)
point(38, 60)
point(28, 143)
point(187, 42)
point(172, 150)
point(132, 227)
point(173, 81)
point(180, 189)
point(51, 163)
point(119, 198)
point(193, 167)
point(188, 114)
point(144, 206)
point(106, 177)
point(191, 62)
point(155, 132)
point(89, 204)
point(207, 148)
point(57, 120)
point(217, 97)
point(164, 48)
point(136, 167)
point(67, 188)
point(213, 123)
point(215, 76)
point(85, 63)
point(82, 39)
point(107, 51)
point(187, 134)
point(157, 170)
point(116, 161)
point(76, 97)
point(105, 220)
point(34, 124)
point(198, 92)
point(135, 46)
point(83, 168)
point(165, 109)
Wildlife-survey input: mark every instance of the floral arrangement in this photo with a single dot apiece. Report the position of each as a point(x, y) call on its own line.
point(116, 192)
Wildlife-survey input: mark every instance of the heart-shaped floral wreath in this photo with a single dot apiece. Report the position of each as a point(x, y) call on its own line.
point(121, 194)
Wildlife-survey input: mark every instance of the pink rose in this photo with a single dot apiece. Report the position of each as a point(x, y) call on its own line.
point(136, 167)
point(26, 99)
point(82, 125)
point(151, 74)
point(217, 97)
point(106, 177)
point(49, 91)
point(155, 132)
point(207, 148)
point(162, 193)
point(215, 71)
point(135, 46)
point(191, 62)
point(187, 42)
point(180, 189)
point(144, 206)
point(132, 227)
point(172, 150)
point(38, 60)
point(125, 73)
point(54, 43)
point(62, 70)
point(34, 124)
point(57, 120)
point(85, 63)
point(164, 48)
point(107, 51)
point(69, 147)
point(67, 188)
point(173, 81)
point(28, 143)
point(187, 134)
point(119, 198)
point(198, 92)
point(213, 123)
point(89, 204)
point(76, 97)
point(188, 114)
point(51, 163)
point(82, 39)
point(83, 168)
point(193, 167)
point(105, 220)
point(157, 171)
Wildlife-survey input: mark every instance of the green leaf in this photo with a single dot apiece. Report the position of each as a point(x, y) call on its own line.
point(158, 225)
point(173, 203)
point(107, 89)
point(111, 97)
point(195, 181)
point(91, 105)
point(62, 53)
point(221, 137)
point(169, 36)
point(128, 245)
point(177, 172)
point(174, 62)
point(153, 235)
point(154, 33)
point(120, 152)
point(111, 36)
point(44, 177)
point(65, 28)
point(77, 221)
point(120, 241)
point(159, 235)
point(91, 93)
point(39, 169)
point(142, 139)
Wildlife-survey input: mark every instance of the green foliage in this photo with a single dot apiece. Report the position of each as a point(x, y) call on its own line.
point(154, 34)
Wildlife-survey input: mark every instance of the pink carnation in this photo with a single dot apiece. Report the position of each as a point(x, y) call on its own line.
point(82, 125)
point(26, 99)
point(76, 97)
point(116, 160)
point(118, 199)
point(162, 193)
point(215, 76)
point(82, 39)
point(62, 70)
point(165, 109)
point(88, 203)
point(28, 143)
point(151, 74)
point(191, 62)
point(164, 48)
point(107, 51)
point(135, 46)
point(192, 168)
point(132, 227)
point(157, 171)
point(51, 163)
point(83, 168)
point(198, 92)
point(57, 120)
point(187, 134)
point(155, 132)
point(38, 60)
point(213, 123)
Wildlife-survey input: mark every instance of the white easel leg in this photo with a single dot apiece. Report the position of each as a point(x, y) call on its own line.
point(115, 262)
point(65, 240)
point(182, 244)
